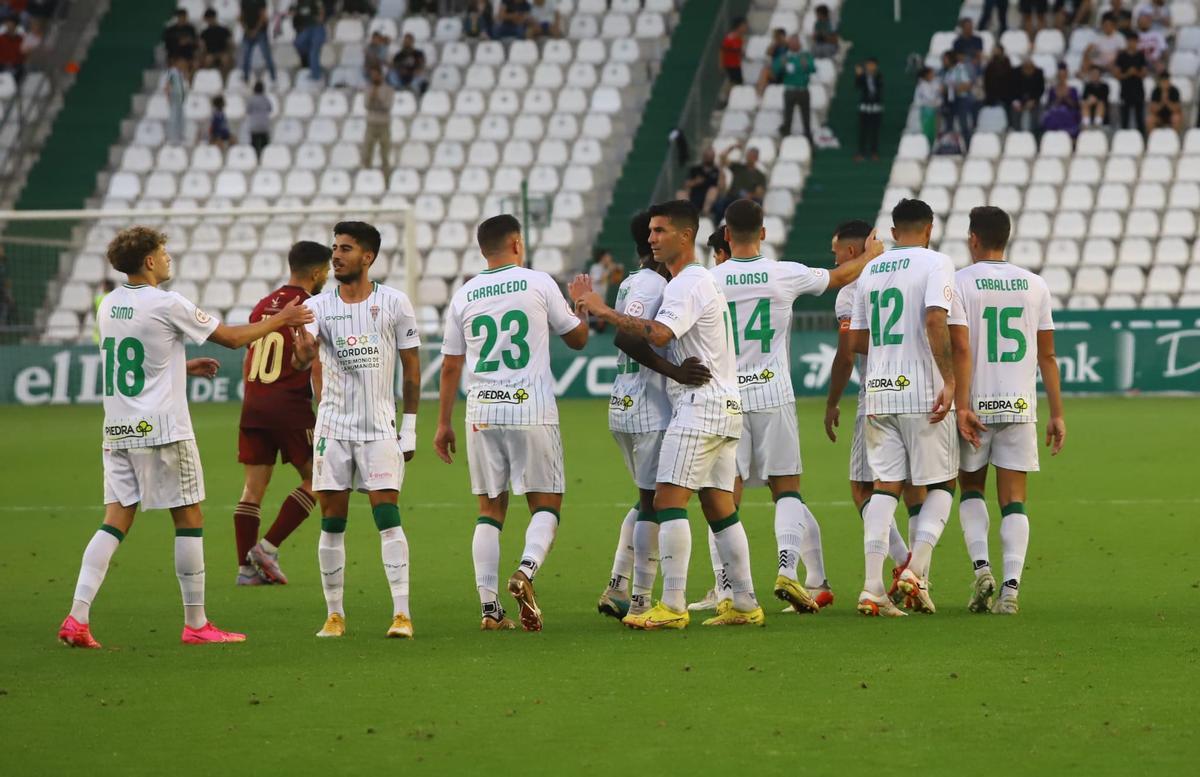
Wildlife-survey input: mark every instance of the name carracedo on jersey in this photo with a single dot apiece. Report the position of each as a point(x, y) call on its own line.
point(504, 396)
point(358, 351)
point(899, 383)
point(756, 378)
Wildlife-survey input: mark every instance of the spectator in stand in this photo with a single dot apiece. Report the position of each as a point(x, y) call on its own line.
point(258, 118)
point(408, 67)
point(606, 275)
point(544, 20)
point(1130, 70)
point(217, 43)
point(1033, 15)
point(218, 125)
point(180, 39)
point(1095, 99)
point(961, 84)
point(379, 99)
point(12, 49)
point(869, 82)
point(308, 19)
point(1104, 50)
point(1151, 41)
point(998, 79)
point(969, 44)
point(1121, 15)
point(796, 71)
point(176, 90)
point(1028, 88)
point(746, 180)
point(703, 182)
point(775, 54)
point(1159, 11)
point(721, 252)
point(515, 16)
point(1165, 108)
point(255, 35)
point(929, 102)
point(1069, 14)
point(477, 21)
point(733, 45)
point(376, 54)
point(1000, 8)
point(1062, 110)
point(826, 40)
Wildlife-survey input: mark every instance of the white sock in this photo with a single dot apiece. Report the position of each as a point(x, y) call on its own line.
point(246, 569)
point(930, 523)
point(896, 547)
point(645, 557)
point(810, 550)
point(720, 578)
point(1014, 539)
point(973, 515)
point(878, 513)
point(539, 538)
point(913, 512)
point(789, 534)
point(485, 552)
point(267, 546)
point(735, 552)
point(331, 555)
point(189, 568)
point(96, 555)
point(675, 550)
point(622, 569)
point(394, 549)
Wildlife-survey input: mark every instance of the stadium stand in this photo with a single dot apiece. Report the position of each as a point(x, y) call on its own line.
point(1108, 217)
point(556, 117)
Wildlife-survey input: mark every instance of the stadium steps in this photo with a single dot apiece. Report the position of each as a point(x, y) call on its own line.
point(840, 188)
point(77, 149)
point(640, 172)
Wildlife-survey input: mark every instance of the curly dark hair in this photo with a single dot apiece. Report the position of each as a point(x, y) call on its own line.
point(127, 251)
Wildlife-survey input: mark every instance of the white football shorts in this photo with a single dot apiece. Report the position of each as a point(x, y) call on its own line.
point(369, 465)
point(160, 477)
point(523, 459)
point(905, 446)
point(860, 468)
point(769, 445)
point(641, 452)
point(1011, 446)
point(696, 460)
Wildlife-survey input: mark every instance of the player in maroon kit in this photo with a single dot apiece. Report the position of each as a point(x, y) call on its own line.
point(277, 419)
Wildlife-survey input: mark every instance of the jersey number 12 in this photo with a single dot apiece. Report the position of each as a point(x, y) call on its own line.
point(893, 300)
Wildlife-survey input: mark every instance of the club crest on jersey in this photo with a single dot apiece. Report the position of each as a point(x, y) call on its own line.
point(128, 431)
point(1002, 405)
point(899, 383)
point(635, 309)
point(756, 378)
point(620, 403)
point(374, 312)
point(500, 396)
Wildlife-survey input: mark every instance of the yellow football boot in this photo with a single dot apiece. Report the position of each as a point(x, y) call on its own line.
point(731, 616)
point(790, 591)
point(660, 616)
point(335, 626)
point(401, 627)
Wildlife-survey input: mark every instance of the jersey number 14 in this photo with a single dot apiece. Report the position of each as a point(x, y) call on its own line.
point(757, 328)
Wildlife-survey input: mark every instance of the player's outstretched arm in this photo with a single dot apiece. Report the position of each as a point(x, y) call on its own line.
point(859, 341)
point(969, 425)
point(938, 332)
point(848, 272)
point(318, 378)
point(291, 314)
point(203, 366)
point(1056, 427)
point(589, 301)
point(443, 441)
point(577, 338)
point(690, 373)
point(839, 378)
point(410, 380)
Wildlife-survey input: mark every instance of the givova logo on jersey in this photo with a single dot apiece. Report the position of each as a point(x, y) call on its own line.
point(898, 383)
point(998, 405)
point(502, 396)
point(756, 378)
point(620, 404)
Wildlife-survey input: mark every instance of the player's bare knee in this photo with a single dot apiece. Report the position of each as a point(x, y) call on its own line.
point(860, 492)
point(717, 504)
point(187, 517)
point(493, 508)
point(543, 501)
point(384, 497)
point(119, 517)
point(973, 481)
point(783, 484)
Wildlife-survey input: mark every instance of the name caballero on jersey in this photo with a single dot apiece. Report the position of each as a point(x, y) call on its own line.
point(501, 396)
point(898, 383)
point(998, 405)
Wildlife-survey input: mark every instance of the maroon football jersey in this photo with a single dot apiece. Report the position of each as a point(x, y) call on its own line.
point(277, 396)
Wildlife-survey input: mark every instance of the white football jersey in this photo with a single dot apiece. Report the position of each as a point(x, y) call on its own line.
point(639, 401)
point(894, 291)
point(142, 333)
point(695, 309)
point(843, 308)
point(358, 344)
point(761, 293)
point(502, 320)
point(1005, 308)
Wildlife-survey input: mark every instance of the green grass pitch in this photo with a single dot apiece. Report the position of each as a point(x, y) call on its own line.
point(1098, 675)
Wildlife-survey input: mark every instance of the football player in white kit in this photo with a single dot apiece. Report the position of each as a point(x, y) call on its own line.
point(638, 412)
point(761, 293)
point(498, 328)
point(149, 448)
point(699, 449)
point(360, 326)
point(848, 243)
point(1007, 338)
point(901, 312)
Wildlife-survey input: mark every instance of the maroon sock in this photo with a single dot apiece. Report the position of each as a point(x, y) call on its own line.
point(292, 513)
point(245, 528)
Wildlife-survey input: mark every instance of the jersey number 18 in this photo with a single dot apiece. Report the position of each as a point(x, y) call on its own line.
point(123, 366)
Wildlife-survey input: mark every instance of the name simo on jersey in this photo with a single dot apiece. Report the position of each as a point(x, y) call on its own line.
point(497, 289)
